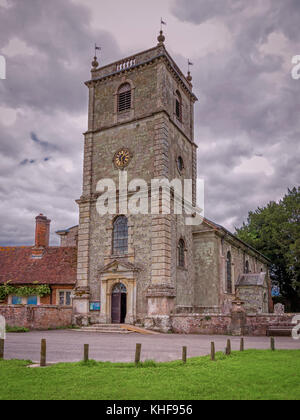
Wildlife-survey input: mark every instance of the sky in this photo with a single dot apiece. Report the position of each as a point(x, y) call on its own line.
point(247, 123)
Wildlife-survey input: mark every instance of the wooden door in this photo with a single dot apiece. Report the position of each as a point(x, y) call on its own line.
point(116, 308)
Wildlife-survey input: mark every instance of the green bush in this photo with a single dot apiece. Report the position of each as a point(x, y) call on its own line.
point(16, 329)
point(24, 291)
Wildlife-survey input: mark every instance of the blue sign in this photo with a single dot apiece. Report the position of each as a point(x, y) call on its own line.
point(276, 291)
point(95, 306)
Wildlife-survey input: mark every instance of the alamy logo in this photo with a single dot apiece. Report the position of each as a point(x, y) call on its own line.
point(2, 68)
point(161, 197)
point(2, 328)
point(296, 330)
point(296, 68)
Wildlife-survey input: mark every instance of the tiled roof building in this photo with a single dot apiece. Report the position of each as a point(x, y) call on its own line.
point(40, 264)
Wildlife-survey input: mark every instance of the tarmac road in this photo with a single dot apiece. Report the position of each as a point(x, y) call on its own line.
point(67, 345)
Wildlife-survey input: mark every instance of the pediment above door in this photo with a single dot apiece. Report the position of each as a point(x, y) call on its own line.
point(118, 267)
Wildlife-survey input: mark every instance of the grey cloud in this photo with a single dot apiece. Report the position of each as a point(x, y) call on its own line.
point(43, 144)
point(60, 35)
point(27, 162)
point(200, 11)
point(41, 153)
point(248, 104)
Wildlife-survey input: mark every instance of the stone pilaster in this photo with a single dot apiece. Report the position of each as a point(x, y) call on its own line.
point(195, 175)
point(81, 294)
point(161, 293)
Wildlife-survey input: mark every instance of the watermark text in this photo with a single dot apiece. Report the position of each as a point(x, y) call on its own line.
point(2, 328)
point(158, 197)
point(2, 68)
point(296, 330)
point(296, 68)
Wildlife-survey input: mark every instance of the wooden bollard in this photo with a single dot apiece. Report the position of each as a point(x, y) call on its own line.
point(228, 348)
point(2, 348)
point(86, 353)
point(213, 352)
point(138, 351)
point(184, 354)
point(272, 343)
point(242, 346)
point(43, 353)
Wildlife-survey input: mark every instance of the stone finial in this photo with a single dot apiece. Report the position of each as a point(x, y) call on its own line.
point(161, 38)
point(189, 77)
point(95, 64)
point(237, 305)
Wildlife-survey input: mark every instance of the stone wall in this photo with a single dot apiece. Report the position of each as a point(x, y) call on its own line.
point(206, 266)
point(255, 298)
point(69, 237)
point(201, 324)
point(36, 317)
point(259, 323)
point(211, 324)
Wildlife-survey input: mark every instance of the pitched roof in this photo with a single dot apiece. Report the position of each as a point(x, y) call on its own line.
point(227, 232)
point(251, 279)
point(57, 266)
point(59, 232)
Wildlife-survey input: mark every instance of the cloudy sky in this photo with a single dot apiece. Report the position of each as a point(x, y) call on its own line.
point(247, 118)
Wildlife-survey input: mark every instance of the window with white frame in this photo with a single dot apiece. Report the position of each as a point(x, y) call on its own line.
point(64, 297)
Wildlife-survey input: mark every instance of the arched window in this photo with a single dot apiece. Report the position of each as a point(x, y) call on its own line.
point(119, 288)
point(180, 164)
point(120, 236)
point(124, 97)
point(247, 269)
point(229, 273)
point(181, 253)
point(178, 106)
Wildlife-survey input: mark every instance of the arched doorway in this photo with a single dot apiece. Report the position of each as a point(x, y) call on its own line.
point(118, 304)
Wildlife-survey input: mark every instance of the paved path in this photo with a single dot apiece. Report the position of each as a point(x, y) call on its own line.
point(67, 346)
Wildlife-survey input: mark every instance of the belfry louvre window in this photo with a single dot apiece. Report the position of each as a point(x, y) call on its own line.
point(120, 236)
point(124, 97)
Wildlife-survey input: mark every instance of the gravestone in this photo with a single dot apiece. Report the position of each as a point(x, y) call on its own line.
point(2, 328)
point(279, 309)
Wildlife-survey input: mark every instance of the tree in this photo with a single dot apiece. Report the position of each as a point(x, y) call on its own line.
point(275, 231)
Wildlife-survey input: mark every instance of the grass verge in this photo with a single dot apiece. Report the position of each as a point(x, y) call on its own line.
point(250, 375)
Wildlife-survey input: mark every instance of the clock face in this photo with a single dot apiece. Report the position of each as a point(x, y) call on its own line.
point(122, 158)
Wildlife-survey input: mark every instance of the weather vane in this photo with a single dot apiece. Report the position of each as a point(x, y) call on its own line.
point(189, 65)
point(162, 22)
point(97, 49)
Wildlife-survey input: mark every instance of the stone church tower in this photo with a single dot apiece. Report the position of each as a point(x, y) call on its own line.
point(141, 120)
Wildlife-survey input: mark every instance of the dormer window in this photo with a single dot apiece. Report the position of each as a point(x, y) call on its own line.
point(178, 106)
point(124, 98)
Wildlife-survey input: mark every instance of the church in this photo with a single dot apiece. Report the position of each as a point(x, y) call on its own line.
point(150, 269)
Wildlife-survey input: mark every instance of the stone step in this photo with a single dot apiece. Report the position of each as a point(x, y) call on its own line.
point(106, 326)
point(115, 329)
point(104, 330)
